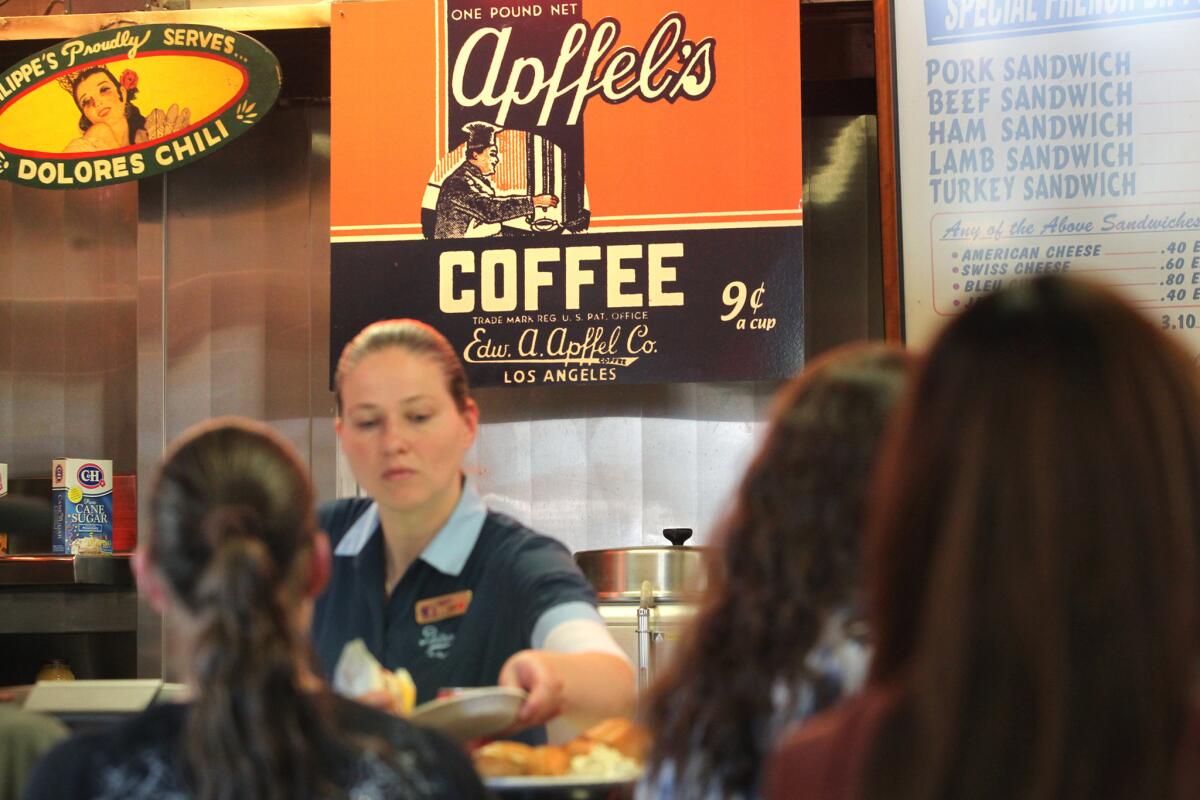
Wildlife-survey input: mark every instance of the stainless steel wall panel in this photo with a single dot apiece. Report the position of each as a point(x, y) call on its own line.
point(557, 473)
point(508, 453)
point(192, 242)
point(101, 354)
point(605, 466)
point(670, 442)
point(323, 452)
point(187, 378)
point(238, 274)
point(150, 392)
point(67, 268)
point(37, 246)
point(37, 411)
point(39, 330)
point(239, 281)
point(730, 425)
point(233, 275)
point(237, 344)
point(613, 503)
point(101, 317)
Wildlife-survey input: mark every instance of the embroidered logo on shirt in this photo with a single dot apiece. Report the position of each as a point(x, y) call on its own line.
point(435, 643)
point(436, 609)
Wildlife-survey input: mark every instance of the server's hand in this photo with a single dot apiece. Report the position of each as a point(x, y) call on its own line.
point(533, 671)
point(545, 201)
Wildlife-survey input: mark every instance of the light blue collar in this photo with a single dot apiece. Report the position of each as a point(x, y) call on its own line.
point(450, 548)
point(356, 538)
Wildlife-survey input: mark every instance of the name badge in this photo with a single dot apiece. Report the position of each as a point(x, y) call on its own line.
point(436, 609)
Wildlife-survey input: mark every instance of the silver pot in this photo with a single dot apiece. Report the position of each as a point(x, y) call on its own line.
point(647, 595)
point(621, 575)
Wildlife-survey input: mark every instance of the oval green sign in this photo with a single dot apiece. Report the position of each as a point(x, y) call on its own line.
point(128, 103)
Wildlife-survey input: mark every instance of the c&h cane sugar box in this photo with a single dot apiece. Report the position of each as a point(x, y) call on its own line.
point(81, 489)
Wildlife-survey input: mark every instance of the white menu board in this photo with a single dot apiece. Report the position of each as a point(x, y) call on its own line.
point(1044, 136)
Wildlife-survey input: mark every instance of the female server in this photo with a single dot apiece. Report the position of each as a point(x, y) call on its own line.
point(424, 573)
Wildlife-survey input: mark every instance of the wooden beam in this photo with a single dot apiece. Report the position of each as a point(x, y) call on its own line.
point(889, 198)
point(258, 18)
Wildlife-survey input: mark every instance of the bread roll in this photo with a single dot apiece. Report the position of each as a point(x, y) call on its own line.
point(625, 736)
point(615, 746)
point(579, 746)
point(503, 759)
point(549, 760)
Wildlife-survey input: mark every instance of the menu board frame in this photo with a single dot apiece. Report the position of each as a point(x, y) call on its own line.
point(1135, 227)
point(889, 172)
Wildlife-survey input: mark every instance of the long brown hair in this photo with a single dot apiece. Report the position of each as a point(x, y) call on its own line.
point(786, 556)
point(1033, 555)
point(232, 535)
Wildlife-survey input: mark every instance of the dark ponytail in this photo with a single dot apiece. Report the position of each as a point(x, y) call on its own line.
point(248, 720)
point(233, 525)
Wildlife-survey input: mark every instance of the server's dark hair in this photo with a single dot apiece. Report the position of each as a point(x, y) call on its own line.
point(411, 335)
point(233, 524)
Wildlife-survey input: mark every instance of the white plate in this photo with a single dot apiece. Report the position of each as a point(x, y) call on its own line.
point(471, 713)
point(558, 784)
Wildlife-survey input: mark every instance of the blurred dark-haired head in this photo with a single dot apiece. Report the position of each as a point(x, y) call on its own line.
point(233, 540)
point(225, 481)
point(1033, 553)
point(787, 557)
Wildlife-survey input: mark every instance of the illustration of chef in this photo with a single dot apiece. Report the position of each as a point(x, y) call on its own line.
point(468, 205)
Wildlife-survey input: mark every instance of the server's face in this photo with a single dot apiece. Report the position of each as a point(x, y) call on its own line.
point(401, 431)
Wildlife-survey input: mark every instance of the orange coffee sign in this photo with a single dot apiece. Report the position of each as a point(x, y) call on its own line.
point(128, 103)
point(724, 143)
point(573, 191)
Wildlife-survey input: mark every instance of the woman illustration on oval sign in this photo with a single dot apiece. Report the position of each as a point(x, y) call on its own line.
point(109, 120)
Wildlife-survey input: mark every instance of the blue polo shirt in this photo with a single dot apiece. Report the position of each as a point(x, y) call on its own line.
point(484, 588)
